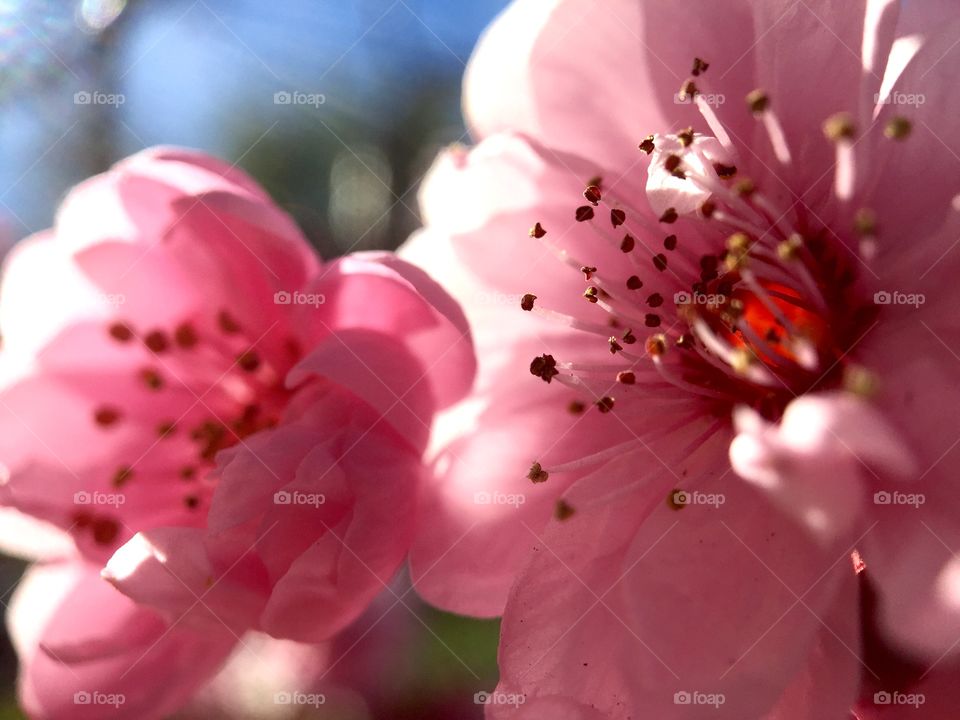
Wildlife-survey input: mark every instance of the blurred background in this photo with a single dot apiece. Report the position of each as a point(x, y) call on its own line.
point(337, 108)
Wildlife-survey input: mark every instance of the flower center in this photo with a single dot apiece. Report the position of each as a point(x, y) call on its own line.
point(741, 301)
point(214, 386)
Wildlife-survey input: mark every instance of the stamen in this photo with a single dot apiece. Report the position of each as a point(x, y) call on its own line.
point(544, 367)
point(841, 130)
point(759, 103)
point(898, 128)
point(157, 341)
point(185, 336)
point(227, 323)
point(106, 416)
point(120, 332)
point(537, 231)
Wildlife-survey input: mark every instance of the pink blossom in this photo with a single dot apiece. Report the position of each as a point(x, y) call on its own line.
point(744, 349)
point(227, 428)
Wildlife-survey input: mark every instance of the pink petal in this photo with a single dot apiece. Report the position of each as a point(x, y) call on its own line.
point(751, 633)
point(86, 649)
point(817, 463)
point(522, 183)
point(484, 510)
point(931, 149)
point(537, 72)
point(170, 569)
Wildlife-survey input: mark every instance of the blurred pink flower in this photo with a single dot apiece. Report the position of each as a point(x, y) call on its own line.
point(747, 332)
point(233, 427)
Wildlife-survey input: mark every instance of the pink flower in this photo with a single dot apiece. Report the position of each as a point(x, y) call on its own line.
point(743, 342)
point(233, 427)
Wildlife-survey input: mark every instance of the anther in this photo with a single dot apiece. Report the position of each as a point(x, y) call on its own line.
point(669, 216)
point(605, 404)
point(526, 302)
point(587, 271)
point(790, 248)
point(699, 67)
point(672, 163)
point(537, 474)
point(227, 323)
point(591, 294)
point(708, 208)
point(156, 341)
point(647, 145)
point(860, 381)
point(537, 231)
point(725, 171)
point(151, 378)
point(592, 195)
point(688, 91)
point(685, 137)
point(656, 345)
point(626, 378)
point(120, 332)
point(106, 416)
point(584, 213)
point(758, 101)
point(865, 222)
point(614, 344)
point(563, 510)
point(105, 531)
point(248, 361)
point(839, 127)
point(629, 338)
point(544, 367)
point(576, 407)
point(185, 336)
point(898, 128)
